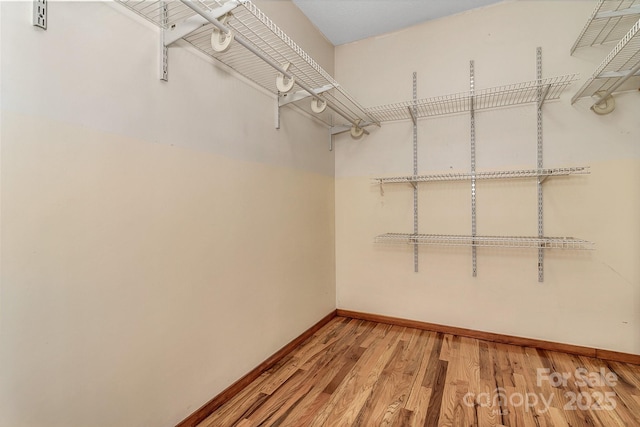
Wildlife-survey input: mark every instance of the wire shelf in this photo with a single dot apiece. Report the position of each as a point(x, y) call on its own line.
point(623, 59)
point(530, 173)
point(486, 241)
point(501, 96)
point(609, 22)
point(176, 12)
point(249, 22)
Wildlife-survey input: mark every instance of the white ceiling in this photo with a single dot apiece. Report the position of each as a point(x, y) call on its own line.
point(344, 21)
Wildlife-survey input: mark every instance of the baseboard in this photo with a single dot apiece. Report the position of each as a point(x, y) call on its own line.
point(208, 408)
point(499, 338)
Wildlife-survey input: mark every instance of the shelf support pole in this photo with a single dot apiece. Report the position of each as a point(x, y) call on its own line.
point(541, 94)
point(474, 254)
point(163, 54)
point(414, 114)
point(39, 11)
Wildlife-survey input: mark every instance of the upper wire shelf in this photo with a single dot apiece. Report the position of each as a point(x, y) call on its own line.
point(486, 241)
point(609, 22)
point(248, 22)
point(620, 70)
point(501, 96)
point(524, 173)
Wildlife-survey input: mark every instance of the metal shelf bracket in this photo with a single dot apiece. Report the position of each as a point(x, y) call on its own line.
point(288, 98)
point(633, 10)
point(179, 30)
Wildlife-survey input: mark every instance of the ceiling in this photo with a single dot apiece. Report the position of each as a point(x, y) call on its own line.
point(344, 21)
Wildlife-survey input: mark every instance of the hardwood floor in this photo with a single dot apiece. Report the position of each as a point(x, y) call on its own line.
point(359, 373)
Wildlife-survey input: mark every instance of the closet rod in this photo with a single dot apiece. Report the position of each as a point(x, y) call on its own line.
point(241, 40)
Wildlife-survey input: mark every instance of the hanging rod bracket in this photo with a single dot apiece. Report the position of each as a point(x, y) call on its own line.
point(335, 130)
point(288, 98)
point(189, 25)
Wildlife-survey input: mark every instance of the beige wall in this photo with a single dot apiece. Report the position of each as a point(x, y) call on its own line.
point(587, 298)
point(159, 240)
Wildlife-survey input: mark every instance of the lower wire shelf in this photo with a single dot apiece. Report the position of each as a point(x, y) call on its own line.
point(486, 241)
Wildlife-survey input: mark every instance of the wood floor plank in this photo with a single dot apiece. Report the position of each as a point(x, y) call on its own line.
point(391, 392)
point(418, 405)
point(333, 370)
point(361, 373)
point(417, 394)
point(357, 389)
point(437, 392)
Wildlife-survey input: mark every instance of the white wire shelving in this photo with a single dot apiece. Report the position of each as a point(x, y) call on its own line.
point(609, 22)
point(568, 243)
point(495, 97)
point(619, 71)
point(466, 176)
point(537, 92)
point(259, 50)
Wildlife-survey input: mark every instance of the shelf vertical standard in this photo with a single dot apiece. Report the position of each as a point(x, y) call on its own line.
point(415, 167)
point(540, 162)
point(474, 255)
point(40, 14)
point(163, 54)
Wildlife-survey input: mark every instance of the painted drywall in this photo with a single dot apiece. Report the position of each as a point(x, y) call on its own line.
point(588, 298)
point(159, 240)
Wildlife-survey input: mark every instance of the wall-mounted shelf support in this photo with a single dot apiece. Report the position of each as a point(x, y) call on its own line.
point(415, 167)
point(40, 18)
point(414, 119)
point(474, 253)
point(163, 53)
point(542, 91)
point(176, 31)
point(543, 97)
point(633, 10)
point(288, 98)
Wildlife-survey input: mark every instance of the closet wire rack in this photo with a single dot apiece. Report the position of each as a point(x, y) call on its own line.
point(244, 19)
point(609, 22)
point(465, 176)
point(486, 241)
point(619, 71)
point(495, 97)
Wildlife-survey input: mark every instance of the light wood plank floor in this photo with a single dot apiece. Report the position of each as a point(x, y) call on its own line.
point(358, 373)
